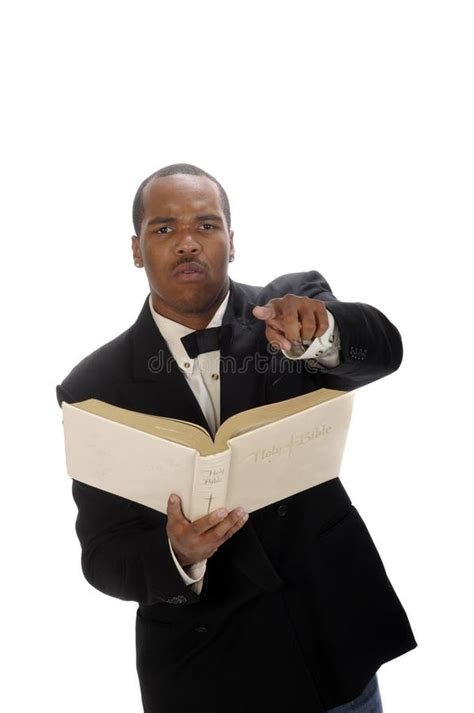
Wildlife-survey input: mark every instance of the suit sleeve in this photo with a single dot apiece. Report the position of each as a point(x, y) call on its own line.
point(370, 345)
point(125, 550)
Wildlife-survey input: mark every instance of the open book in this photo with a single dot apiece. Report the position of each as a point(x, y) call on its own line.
point(257, 457)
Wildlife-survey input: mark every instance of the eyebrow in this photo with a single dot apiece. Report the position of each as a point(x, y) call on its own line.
point(170, 219)
point(209, 216)
point(162, 219)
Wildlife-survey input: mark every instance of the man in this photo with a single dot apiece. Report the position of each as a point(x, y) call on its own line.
point(290, 606)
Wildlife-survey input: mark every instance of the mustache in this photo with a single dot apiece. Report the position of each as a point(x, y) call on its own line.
point(191, 261)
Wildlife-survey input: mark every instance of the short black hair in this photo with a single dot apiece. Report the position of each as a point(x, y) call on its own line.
point(172, 170)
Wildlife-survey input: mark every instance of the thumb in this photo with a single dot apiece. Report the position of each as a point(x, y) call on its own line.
point(263, 312)
point(174, 507)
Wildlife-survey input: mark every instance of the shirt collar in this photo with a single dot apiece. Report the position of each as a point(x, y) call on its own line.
point(173, 331)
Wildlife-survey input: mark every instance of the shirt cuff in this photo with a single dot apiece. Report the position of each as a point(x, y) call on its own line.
point(196, 571)
point(325, 349)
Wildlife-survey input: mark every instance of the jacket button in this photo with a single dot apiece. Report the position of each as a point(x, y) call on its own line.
point(282, 510)
point(201, 629)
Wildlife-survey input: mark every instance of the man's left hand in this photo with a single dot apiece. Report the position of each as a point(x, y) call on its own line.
point(292, 318)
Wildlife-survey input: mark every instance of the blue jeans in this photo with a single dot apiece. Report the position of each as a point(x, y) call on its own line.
point(369, 700)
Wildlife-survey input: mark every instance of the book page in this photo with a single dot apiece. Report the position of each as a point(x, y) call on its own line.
point(184, 432)
point(261, 415)
point(288, 456)
point(126, 461)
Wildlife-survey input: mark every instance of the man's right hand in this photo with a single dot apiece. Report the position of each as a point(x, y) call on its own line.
point(196, 541)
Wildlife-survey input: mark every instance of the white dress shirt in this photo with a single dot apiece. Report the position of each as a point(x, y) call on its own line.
point(202, 375)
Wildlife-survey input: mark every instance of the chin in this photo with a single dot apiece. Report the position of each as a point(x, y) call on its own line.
point(189, 299)
point(193, 301)
point(194, 305)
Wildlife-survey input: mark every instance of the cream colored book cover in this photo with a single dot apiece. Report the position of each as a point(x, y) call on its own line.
point(257, 457)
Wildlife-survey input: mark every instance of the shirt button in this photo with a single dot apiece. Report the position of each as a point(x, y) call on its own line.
point(186, 364)
point(331, 338)
point(201, 629)
point(282, 510)
point(215, 376)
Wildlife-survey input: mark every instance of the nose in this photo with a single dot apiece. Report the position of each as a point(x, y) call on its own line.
point(187, 244)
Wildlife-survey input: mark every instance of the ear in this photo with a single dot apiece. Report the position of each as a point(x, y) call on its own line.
point(231, 244)
point(137, 255)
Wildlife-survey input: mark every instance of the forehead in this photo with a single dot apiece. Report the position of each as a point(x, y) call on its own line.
point(180, 194)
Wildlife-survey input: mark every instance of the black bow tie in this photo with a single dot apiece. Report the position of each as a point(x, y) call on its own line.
point(207, 340)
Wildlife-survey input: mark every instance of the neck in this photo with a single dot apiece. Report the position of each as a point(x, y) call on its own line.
point(193, 320)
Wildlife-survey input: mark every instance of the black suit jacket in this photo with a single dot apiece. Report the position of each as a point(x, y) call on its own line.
point(296, 608)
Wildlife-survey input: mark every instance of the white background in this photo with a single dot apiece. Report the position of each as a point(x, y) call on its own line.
point(343, 134)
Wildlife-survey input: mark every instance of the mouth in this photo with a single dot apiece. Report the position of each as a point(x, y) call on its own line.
point(189, 271)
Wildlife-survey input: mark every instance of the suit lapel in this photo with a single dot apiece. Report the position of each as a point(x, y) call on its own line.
point(242, 387)
point(158, 386)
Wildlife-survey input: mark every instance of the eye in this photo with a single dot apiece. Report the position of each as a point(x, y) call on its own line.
point(163, 230)
point(208, 226)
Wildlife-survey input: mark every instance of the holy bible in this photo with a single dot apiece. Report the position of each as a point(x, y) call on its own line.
point(256, 458)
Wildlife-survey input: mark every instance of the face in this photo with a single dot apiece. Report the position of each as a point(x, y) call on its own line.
point(184, 246)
